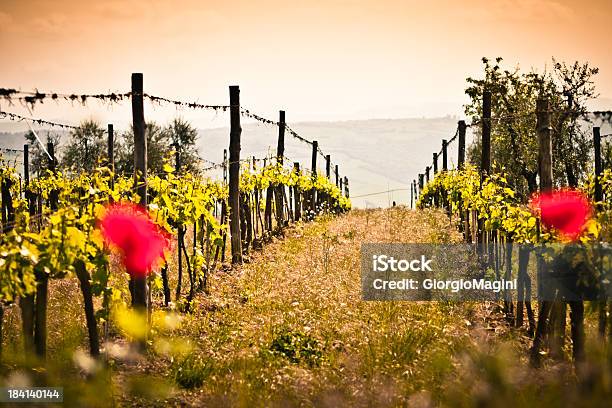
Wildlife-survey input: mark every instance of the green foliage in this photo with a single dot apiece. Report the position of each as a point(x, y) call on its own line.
point(604, 208)
point(275, 174)
point(191, 371)
point(297, 347)
point(496, 204)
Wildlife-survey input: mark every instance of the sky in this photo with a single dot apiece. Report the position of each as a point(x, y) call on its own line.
point(318, 60)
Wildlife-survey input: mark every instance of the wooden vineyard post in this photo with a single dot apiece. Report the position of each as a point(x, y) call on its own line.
point(598, 165)
point(225, 167)
point(463, 219)
point(545, 166)
point(461, 147)
point(435, 163)
point(53, 194)
point(224, 206)
point(297, 194)
point(444, 154)
point(292, 192)
point(598, 198)
point(110, 148)
point(416, 193)
point(111, 153)
point(139, 284)
point(411, 196)
point(337, 175)
point(346, 187)
point(268, 207)
point(280, 153)
point(313, 194)
point(26, 173)
point(26, 165)
point(427, 169)
point(234, 174)
point(177, 157)
point(435, 171)
point(328, 175)
point(545, 170)
point(26, 303)
point(421, 184)
point(485, 162)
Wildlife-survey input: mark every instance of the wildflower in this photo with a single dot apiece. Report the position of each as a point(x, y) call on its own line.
point(567, 211)
point(131, 230)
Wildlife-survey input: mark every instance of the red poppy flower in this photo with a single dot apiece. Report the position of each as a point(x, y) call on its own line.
point(129, 228)
point(566, 211)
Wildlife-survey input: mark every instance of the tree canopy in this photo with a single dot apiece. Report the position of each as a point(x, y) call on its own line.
point(162, 143)
point(514, 143)
point(86, 146)
point(184, 137)
point(158, 148)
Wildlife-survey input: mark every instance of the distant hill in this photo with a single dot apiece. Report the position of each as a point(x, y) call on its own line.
point(12, 140)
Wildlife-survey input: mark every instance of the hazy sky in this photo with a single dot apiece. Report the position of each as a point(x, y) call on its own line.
point(331, 59)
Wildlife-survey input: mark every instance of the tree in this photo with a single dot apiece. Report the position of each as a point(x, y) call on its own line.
point(85, 148)
point(38, 159)
point(158, 148)
point(184, 137)
point(573, 142)
point(514, 144)
point(606, 154)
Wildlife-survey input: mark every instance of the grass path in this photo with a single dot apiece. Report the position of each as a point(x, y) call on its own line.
point(290, 328)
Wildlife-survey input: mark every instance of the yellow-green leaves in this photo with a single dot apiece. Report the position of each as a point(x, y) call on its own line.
point(493, 201)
